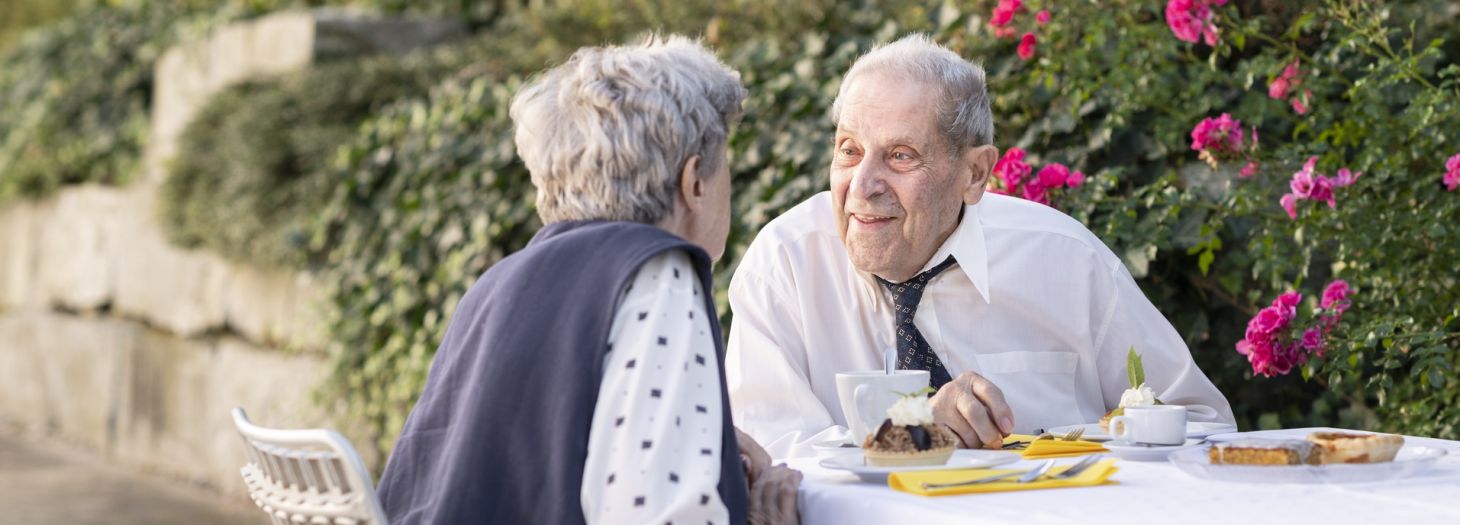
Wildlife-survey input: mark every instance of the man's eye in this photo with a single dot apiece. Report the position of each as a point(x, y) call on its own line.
point(847, 152)
point(901, 156)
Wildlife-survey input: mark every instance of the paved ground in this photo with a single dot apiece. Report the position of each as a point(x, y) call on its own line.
point(44, 484)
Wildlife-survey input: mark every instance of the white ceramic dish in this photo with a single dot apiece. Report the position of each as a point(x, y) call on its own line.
point(1194, 429)
point(962, 459)
point(826, 449)
point(1135, 452)
point(1411, 460)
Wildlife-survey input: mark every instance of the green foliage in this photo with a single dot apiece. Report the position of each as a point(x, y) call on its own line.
point(21, 15)
point(430, 194)
point(251, 173)
point(74, 96)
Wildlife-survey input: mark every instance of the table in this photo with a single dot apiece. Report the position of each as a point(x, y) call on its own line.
point(1146, 492)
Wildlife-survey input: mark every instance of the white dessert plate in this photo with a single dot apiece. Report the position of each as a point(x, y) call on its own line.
point(1194, 429)
point(834, 447)
point(1137, 452)
point(962, 459)
point(1411, 460)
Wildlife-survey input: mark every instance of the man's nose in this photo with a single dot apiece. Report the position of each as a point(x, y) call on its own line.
point(869, 180)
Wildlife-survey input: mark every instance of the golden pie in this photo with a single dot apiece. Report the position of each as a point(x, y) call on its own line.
point(1347, 447)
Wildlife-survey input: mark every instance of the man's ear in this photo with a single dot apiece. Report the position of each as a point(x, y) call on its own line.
point(980, 162)
point(691, 189)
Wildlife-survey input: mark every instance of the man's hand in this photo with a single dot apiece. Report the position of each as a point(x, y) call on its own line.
point(755, 459)
point(975, 410)
point(773, 497)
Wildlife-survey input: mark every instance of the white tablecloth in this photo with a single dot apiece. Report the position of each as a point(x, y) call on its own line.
point(1146, 492)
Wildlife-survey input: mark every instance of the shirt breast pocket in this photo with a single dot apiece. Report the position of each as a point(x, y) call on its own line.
point(1038, 385)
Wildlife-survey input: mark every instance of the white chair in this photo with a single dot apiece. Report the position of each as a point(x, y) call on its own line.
point(307, 476)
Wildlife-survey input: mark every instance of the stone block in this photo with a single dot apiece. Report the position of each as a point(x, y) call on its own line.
point(59, 374)
point(180, 291)
point(18, 256)
point(276, 308)
point(76, 246)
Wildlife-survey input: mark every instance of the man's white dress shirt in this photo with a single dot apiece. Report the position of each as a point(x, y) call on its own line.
point(654, 444)
point(1036, 304)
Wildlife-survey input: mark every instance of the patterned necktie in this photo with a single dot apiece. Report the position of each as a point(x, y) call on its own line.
point(913, 352)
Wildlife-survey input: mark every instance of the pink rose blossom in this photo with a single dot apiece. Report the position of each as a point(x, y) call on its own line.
point(1249, 170)
point(1191, 20)
point(1053, 175)
point(1300, 103)
point(1269, 320)
point(1011, 169)
point(1335, 296)
point(1302, 184)
point(1345, 178)
point(1003, 15)
point(1312, 340)
point(1217, 138)
point(1076, 178)
point(1278, 88)
point(1037, 193)
point(1289, 203)
point(1452, 173)
point(1042, 17)
point(1026, 46)
point(1323, 190)
point(1287, 304)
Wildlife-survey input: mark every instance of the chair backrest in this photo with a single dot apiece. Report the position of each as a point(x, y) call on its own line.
point(307, 476)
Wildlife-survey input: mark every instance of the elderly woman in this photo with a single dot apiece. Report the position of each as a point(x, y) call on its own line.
point(581, 378)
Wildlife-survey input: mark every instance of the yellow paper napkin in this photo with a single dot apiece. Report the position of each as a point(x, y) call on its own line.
point(1052, 448)
point(912, 482)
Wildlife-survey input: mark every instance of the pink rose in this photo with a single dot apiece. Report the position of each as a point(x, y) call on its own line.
point(1026, 46)
point(1278, 88)
point(1076, 178)
point(1249, 170)
point(1323, 190)
point(1287, 304)
point(1042, 17)
point(1302, 184)
point(1452, 173)
point(1054, 175)
point(1345, 178)
point(1300, 103)
point(1335, 296)
point(1188, 20)
point(1011, 169)
point(1269, 320)
point(1289, 203)
point(1004, 12)
point(1244, 347)
point(1312, 340)
point(1218, 137)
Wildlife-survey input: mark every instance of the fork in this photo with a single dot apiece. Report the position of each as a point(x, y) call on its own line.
point(1077, 468)
point(1036, 472)
point(1069, 436)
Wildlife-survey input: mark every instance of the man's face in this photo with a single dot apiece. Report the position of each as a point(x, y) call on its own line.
point(896, 185)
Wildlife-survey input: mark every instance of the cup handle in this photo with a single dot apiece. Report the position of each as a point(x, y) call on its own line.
point(861, 399)
point(1120, 428)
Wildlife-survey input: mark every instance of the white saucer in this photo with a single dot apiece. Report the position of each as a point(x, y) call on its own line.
point(962, 459)
point(1194, 429)
point(1134, 452)
point(836, 447)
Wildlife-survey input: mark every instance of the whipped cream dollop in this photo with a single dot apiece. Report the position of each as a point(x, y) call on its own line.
point(911, 411)
point(1138, 397)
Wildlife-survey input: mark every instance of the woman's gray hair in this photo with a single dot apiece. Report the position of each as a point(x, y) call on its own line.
point(607, 134)
point(963, 102)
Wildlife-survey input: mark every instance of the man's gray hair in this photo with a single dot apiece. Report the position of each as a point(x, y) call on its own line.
point(963, 101)
point(607, 134)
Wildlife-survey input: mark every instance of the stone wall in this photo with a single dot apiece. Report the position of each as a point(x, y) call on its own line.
point(114, 340)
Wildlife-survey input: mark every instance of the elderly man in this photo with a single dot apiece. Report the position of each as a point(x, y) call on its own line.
point(1022, 316)
point(580, 378)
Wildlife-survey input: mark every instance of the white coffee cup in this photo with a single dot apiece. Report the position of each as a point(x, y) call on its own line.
point(1151, 425)
point(866, 396)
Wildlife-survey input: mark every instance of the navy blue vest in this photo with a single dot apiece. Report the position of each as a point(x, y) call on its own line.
point(500, 433)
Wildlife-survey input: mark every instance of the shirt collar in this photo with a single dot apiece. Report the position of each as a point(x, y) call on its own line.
point(966, 245)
